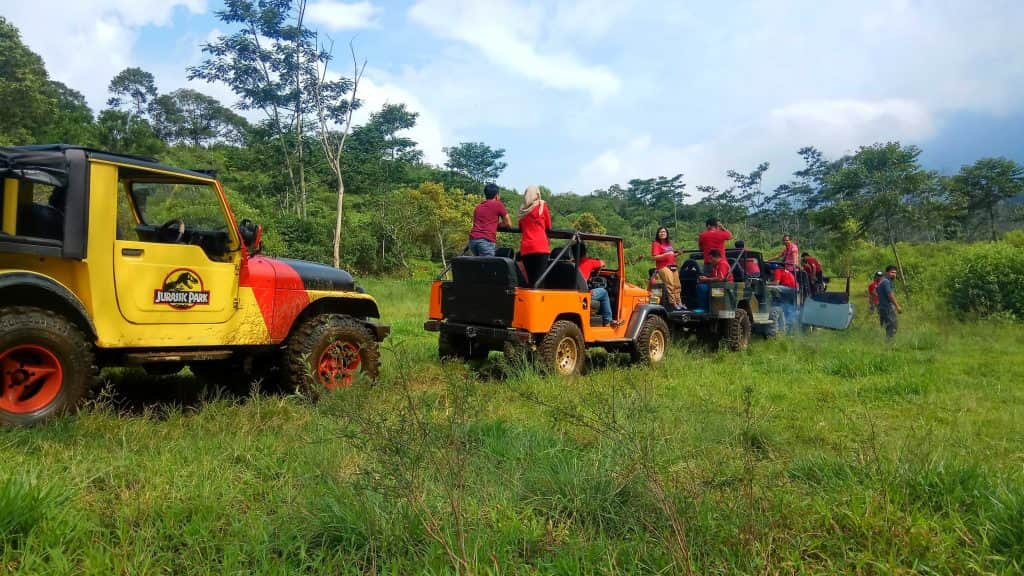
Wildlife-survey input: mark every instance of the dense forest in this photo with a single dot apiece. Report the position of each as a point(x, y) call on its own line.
point(292, 158)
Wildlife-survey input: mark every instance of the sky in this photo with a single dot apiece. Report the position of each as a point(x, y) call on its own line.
point(589, 93)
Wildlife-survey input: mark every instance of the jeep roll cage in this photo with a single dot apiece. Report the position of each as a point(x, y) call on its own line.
point(575, 237)
point(63, 167)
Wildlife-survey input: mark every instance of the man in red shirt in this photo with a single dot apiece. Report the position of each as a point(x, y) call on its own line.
point(598, 295)
point(814, 272)
point(720, 269)
point(487, 215)
point(713, 238)
point(789, 253)
point(784, 278)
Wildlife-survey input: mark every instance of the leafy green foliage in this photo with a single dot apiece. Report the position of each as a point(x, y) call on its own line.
point(132, 90)
point(982, 186)
point(988, 280)
point(186, 116)
point(476, 161)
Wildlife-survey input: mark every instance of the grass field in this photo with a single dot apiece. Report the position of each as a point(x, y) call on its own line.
point(827, 453)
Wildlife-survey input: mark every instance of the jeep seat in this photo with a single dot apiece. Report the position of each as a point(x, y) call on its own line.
point(565, 276)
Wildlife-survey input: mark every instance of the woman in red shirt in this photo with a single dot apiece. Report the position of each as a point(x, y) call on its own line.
point(534, 223)
point(665, 262)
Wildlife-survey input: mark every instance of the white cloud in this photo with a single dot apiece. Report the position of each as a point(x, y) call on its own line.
point(86, 42)
point(427, 132)
point(833, 126)
point(589, 19)
point(507, 33)
point(334, 15)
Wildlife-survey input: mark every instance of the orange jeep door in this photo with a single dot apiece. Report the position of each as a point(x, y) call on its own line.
point(159, 278)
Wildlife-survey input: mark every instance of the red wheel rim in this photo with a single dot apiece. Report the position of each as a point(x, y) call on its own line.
point(338, 365)
point(30, 378)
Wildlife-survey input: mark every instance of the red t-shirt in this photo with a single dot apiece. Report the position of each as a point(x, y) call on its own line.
point(486, 216)
point(790, 256)
point(711, 240)
point(812, 267)
point(872, 294)
point(722, 270)
point(659, 248)
point(588, 265)
point(784, 277)
point(751, 267)
point(534, 227)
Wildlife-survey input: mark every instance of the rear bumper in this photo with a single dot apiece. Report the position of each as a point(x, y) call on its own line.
point(477, 332)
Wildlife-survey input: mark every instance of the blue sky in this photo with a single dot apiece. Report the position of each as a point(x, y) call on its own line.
point(584, 94)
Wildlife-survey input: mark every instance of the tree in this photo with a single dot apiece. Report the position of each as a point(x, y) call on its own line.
point(659, 193)
point(273, 63)
point(587, 222)
point(190, 117)
point(126, 133)
point(983, 185)
point(25, 90)
point(442, 216)
point(476, 161)
point(132, 88)
point(335, 102)
point(71, 120)
point(379, 156)
point(876, 187)
point(749, 186)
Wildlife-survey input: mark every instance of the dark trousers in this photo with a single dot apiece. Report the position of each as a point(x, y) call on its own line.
point(535, 265)
point(889, 320)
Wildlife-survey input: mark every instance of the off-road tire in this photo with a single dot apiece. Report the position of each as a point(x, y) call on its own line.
point(558, 348)
point(518, 354)
point(308, 343)
point(24, 326)
point(652, 341)
point(776, 326)
point(737, 331)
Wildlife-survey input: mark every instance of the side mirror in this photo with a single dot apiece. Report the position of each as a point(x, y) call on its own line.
point(252, 235)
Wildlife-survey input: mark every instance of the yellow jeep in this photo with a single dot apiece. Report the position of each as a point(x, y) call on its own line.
point(110, 260)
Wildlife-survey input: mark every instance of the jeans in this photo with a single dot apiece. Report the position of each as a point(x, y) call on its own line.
point(787, 297)
point(888, 319)
point(481, 247)
point(600, 297)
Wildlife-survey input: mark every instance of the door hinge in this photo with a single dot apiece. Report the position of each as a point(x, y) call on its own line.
point(236, 303)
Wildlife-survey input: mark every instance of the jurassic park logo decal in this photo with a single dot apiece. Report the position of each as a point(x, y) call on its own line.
point(182, 289)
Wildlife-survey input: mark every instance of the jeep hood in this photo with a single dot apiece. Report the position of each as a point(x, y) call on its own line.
point(316, 276)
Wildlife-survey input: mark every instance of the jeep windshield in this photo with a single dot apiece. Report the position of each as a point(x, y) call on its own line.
point(158, 208)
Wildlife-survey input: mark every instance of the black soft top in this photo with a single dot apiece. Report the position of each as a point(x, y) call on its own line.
point(698, 254)
point(48, 163)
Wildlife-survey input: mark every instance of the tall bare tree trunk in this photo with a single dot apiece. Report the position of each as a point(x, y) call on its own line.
point(337, 222)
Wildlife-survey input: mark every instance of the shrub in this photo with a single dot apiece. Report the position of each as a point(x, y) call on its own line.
point(988, 280)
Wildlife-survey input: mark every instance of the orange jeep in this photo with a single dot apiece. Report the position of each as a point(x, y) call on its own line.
point(489, 304)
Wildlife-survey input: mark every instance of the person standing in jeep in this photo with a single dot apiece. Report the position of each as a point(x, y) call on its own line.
point(534, 223)
point(487, 215)
point(664, 256)
point(713, 238)
point(888, 307)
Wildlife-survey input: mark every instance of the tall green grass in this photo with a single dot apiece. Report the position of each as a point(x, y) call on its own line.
point(826, 453)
